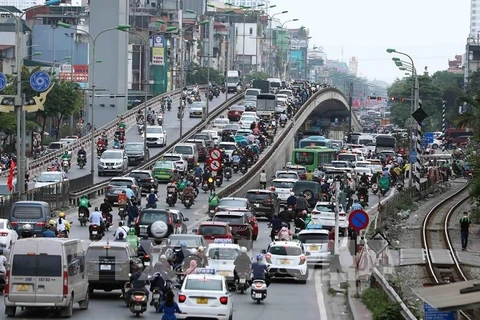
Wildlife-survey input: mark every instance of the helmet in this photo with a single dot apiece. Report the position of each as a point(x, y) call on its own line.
point(243, 250)
point(193, 251)
point(152, 190)
point(27, 227)
point(51, 222)
point(200, 249)
point(284, 229)
point(105, 200)
point(163, 257)
point(259, 257)
point(292, 193)
point(183, 244)
point(171, 180)
point(95, 209)
point(61, 215)
point(198, 164)
point(131, 231)
point(304, 212)
point(189, 183)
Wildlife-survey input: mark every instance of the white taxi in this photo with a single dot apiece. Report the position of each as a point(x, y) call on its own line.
point(315, 241)
point(8, 235)
point(205, 295)
point(221, 256)
point(324, 214)
point(283, 188)
point(287, 259)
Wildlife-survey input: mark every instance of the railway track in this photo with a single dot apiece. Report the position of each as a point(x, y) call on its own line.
point(435, 236)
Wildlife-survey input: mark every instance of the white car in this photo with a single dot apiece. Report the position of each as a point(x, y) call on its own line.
point(156, 136)
point(246, 120)
point(196, 109)
point(229, 147)
point(205, 295)
point(282, 187)
point(362, 164)
point(221, 255)
point(180, 164)
point(282, 174)
point(50, 178)
point(287, 259)
point(315, 241)
point(251, 113)
point(8, 235)
point(324, 213)
point(112, 161)
point(220, 123)
point(359, 171)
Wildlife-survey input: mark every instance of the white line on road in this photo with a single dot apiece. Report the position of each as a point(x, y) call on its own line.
point(320, 301)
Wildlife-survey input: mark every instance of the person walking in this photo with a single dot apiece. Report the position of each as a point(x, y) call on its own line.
point(263, 180)
point(465, 223)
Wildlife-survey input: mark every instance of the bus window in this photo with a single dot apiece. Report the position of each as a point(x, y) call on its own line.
point(304, 158)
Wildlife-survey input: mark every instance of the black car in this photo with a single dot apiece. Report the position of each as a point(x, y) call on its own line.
point(145, 180)
point(311, 190)
point(135, 153)
point(155, 224)
point(264, 202)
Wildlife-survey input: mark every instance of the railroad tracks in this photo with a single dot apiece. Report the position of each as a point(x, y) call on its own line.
point(442, 262)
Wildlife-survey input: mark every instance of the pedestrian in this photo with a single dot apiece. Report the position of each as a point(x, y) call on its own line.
point(352, 245)
point(465, 223)
point(263, 180)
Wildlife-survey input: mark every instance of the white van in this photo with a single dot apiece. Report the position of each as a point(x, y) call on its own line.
point(46, 273)
point(188, 151)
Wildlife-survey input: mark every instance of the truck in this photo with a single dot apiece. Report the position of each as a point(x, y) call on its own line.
point(266, 104)
point(263, 85)
point(232, 79)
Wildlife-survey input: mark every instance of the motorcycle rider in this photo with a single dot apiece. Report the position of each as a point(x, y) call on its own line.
point(121, 230)
point(188, 193)
point(292, 200)
point(263, 180)
point(276, 225)
point(284, 234)
point(198, 171)
point(300, 220)
point(152, 199)
point(132, 213)
point(179, 254)
point(301, 204)
point(48, 233)
point(63, 226)
point(66, 157)
point(206, 175)
point(83, 206)
point(283, 117)
point(101, 145)
point(364, 179)
point(172, 189)
point(105, 209)
point(242, 262)
point(356, 205)
point(27, 231)
point(130, 193)
point(260, 270)
point(96, 219)
point(158, 282)
point(363, 191)
point(82, 152)
point(53, 227)
point(138, 282)
point(213, 201)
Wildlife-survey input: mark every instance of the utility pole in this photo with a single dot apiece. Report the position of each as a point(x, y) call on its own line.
point(350, 103)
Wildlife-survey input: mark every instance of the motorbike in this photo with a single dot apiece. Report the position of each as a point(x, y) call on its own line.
point(235, 167)
point(2, 282)
point(106, 222)
point(100, 151)
point(179, 114)
point(65, 165)
point(243, 280)
point(95, 233)
point(210, 96)
point(169, 105)
point(258, 291)
point(205, 186)
point(222, 89)
point(170, 199)
point(243, 168)
point(160, 119)
point(374, 188)
point(362, 200)
point(151, 205)
point(156, 298)
point(122, 212)
point(218, 181)
point(216, 92)
point(399, 187)
point(81, 161)
point(187, 202)
point(211, 211)
point(228, 173)
point(283, 123)
point(140, 127)
point(82, 218)
point(138, 302)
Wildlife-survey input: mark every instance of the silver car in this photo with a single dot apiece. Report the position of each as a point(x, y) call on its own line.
point(315, 241)
point(113, 161)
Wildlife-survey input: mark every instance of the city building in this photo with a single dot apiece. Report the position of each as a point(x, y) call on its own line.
point(297, 57)
point(24, 4)
point(455, 66)
point(353, 66)
point(474, 18)
point(249, 3)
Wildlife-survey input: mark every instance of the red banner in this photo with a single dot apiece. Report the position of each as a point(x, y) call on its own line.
point(10, 176)
point(80, 73)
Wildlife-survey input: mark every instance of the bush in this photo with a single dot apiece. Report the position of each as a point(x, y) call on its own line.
point(381, 307)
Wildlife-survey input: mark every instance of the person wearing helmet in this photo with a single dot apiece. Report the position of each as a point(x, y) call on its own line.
point(285, 216)
point(179, 254)
point(130, 193)
point(300, 220)
point(198, 170)
point(172, 189)
point(152, 199)
point(132, 238)
point(83, 205)
point(292, 200)
point(48, 233)
point(138, 282)
point(308, 219)
point(213, 201)
point(132, 213)
point(96, 219)
point(276, 225)
point(106, 209)
point(63, 226)
point(260, 270)
point(301, 204)
point(121, 231)
point(201, 254)
point(189, 193)
point(66, 157)
point(242, 263)
point(27, 231)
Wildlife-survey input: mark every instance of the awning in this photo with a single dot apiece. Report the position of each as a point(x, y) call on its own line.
point(448, 296)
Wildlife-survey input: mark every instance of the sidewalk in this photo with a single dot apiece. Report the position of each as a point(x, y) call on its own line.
point(338, 283)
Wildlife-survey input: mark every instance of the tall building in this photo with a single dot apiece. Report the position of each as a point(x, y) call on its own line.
point(24, 4)
point(474, 18)
point(353, 66)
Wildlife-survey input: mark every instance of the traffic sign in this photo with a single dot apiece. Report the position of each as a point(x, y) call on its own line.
point(429, 137)
point(215, 154)
point(214, 165)
point(358, 220)
point(378, 243)
point(3, 81)
point(413, 156)
point(434, 314)
point(40, 81)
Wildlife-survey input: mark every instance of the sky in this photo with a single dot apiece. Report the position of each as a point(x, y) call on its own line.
point(430, 31)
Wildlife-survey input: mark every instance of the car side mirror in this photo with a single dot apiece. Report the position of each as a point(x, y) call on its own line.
point(263, 251)
point(186, 219)
point(194, 230)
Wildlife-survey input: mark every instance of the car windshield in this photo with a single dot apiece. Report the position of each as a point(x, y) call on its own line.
point(363, 170)
point(347, 157)
point(100, 253)
point(155, 130)
point(172, 158)
point(200, 136)
point(192, 242)
point(313, 237)
point(49, 177)
point(133, 147)
point(282, 184)
point(223, 253)
point(257, 196)
point(149, 217)
point(141, 175)
point(237, 108)
point(375, 168)
point(298, 170)
point(248, 119)
point(111, 155)
point(233, 127)
point(210, 230)
point(231, 219)
point(220, 121)
point(198, 105)
point(285, 251)
point(120, 183)
point(227, 146)
point(285, 175)
point(227, 203)
point(324, 208)
point(164, 165)
point(204, 284)
point(339, 165)
point(183, 150)
point(55, 146)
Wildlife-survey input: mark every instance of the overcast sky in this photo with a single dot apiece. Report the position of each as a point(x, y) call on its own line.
point(431, 31)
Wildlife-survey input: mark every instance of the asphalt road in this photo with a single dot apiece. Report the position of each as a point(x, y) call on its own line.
point(171, 125)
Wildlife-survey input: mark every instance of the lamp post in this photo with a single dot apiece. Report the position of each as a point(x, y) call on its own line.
point(120, 27)
point(414, 102)
point(282, 27)
point(18, 101)
point(270, 67)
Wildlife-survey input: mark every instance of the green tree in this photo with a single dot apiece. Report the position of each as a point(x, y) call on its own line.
point(256, 76)
point(452, 85)
point(198, 75)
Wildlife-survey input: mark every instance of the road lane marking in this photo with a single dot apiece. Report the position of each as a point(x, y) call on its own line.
point(320, 300)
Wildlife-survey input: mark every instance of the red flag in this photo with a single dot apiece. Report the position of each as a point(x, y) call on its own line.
point(10, 176)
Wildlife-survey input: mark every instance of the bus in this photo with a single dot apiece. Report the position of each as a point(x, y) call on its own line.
point(385, 142)
point(312, 158)
point(275, 84)
point(320, 141)
point(266, 104)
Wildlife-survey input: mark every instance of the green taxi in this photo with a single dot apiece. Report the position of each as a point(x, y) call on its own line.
point(162, 170)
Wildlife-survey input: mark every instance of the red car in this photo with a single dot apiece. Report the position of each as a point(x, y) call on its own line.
point(211, 230)
point(235, 112)
point(240, 225)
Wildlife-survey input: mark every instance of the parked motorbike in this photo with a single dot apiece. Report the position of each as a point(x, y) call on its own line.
point(258, 291)
point(81, 161)
point(138, 302)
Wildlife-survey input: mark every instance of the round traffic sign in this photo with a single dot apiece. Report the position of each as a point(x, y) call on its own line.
point(214, 165)
point(215, 154)
point(358, 220)
point(40, 81)
point(3, 81)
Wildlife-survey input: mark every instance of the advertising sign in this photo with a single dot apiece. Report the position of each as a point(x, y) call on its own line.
point(158, 56)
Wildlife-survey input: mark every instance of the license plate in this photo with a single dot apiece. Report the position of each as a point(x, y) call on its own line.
point(94, 232)
point(258, 295)
point(22, 287)
point(109, 167)
point(137, 308)
point(256, 205)
point(223, 273)
point(82, 215)
point(285, 261)
point(146, 263)
point(242, 281)
point(105, 267)
point(313, 248)
point(156, 296)
point(202, 301)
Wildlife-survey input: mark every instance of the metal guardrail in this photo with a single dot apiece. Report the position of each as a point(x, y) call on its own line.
point(99, 188)
point(48, 158)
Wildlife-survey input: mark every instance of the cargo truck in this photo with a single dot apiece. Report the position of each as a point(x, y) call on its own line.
point(233, 78)
point(263, 85)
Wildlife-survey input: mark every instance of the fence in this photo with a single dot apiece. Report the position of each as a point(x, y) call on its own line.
point(56, 195)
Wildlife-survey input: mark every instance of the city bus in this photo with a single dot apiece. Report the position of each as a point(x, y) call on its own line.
point(320, 141)
point(384, 143)
point(266, 104)
point(313, 157)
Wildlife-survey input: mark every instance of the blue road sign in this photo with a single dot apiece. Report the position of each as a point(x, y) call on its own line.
point(158, 41)
point(413, 156)
point(389, 103)
point(3, 81)
point(424, 142)
point(429, 137)
point(358, 219)
point(40, 81)
point(434, 314)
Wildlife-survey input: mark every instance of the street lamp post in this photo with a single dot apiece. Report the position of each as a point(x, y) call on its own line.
point(120, 27)
point(282, 68)
point(270, 67)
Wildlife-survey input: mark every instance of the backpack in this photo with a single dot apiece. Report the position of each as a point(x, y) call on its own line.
point(151, 198)
point(83, 203)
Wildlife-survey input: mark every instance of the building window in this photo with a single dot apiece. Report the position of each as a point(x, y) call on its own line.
point(251, 31)
point(474, 12)
point(473, 24)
